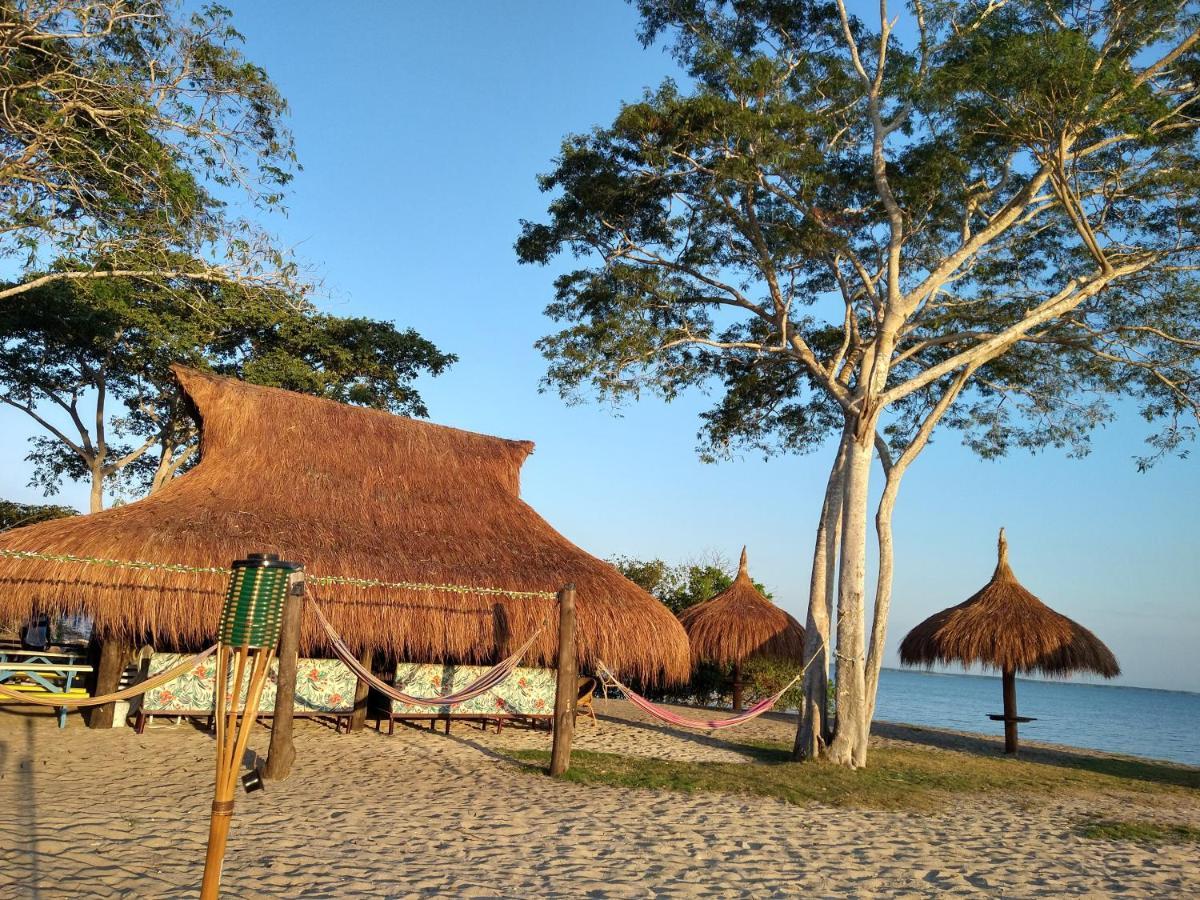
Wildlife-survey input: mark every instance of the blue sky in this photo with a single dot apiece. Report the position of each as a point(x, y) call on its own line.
point(421, 128)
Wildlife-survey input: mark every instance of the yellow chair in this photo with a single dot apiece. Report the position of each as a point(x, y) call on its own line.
point(584, 696)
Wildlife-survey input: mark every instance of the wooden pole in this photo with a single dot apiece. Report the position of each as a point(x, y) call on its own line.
point(282, 751)
point(114, 653)
point(567, 684)
point(737, 687)
point(359, 717)
point(1009, 677)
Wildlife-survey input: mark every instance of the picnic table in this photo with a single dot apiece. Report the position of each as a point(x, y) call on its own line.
point(43, 673)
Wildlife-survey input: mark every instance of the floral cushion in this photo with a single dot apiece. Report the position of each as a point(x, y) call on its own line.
point(322, 685)
point(526, 692)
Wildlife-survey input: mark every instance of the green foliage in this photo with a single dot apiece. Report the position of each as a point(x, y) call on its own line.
point(128, 127)
point(18, 515)
point(737, 235)
point(686, 584)
point(765, 677)
point(1142, 832)
point(109, 344)
point(899, 778)
point(682, 585)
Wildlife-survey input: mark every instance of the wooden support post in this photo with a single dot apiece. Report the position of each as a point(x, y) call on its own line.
point(1009, 678)
point(359, 717)
point(114, 653)
point(567, 684)
point(737, 687)
point(282, 752)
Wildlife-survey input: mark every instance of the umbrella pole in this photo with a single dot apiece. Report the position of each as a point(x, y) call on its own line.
point(737, 687)
point(1009, 677)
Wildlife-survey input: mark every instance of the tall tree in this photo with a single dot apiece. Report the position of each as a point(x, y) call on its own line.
point(89, 362)
point(975, 214)
point(126, 126)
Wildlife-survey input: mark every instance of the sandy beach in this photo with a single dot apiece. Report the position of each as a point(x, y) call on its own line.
point(115, 814)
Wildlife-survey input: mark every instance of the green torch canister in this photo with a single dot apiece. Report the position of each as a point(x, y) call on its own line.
point(249, 632)
point(254, 603)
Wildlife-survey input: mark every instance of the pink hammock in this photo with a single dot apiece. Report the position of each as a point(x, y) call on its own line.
point(484, 683)
point(671, 718)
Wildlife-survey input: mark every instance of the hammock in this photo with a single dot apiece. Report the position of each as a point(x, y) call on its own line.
point(484, 683)
point(671, 718)
point(140, 688)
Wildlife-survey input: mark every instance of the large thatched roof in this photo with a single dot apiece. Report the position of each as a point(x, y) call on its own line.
point(740, 623)
point(348, 492)
point(1005, 627)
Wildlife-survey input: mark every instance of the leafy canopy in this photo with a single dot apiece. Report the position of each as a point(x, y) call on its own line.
point(834, 221)
point(108, 346)
point(128, 128)
point(17, 515)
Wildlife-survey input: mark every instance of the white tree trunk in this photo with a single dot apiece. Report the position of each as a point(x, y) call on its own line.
point(883, 587)
point(849, 745)
point(96, 502)
point(814, 726)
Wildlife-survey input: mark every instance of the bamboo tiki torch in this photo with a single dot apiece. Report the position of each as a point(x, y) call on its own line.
point(249, 633)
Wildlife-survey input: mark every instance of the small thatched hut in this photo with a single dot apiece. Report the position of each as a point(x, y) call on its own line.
point(1005, 627)
point(740, 623)
point(348, 492)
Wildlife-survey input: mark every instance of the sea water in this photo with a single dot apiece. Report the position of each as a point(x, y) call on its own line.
point(1135, 721)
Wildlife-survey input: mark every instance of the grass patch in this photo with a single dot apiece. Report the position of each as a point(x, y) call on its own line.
point(1144, 832)
point(896, 778)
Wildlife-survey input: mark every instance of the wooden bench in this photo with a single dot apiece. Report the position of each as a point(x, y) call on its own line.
point(324, 690)
point(42, 679)
point(526, 696)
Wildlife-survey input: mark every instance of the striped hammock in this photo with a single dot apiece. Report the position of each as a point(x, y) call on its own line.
point(484, 683)
point(140, 688)
point(665, 715)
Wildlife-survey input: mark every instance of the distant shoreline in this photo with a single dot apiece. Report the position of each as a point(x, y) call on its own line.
point(1098, 684)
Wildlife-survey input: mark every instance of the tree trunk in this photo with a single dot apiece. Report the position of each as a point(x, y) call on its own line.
point(96, 501)
point(282, 751)
point(114, 653)
point(813, 730)
point(359, 717)
point(849, 745)
point(1009, 678)
point(883, 588)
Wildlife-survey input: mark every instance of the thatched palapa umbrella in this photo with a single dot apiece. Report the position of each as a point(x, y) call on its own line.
point(348, 492)
point(740, 623)
point(1005, 627)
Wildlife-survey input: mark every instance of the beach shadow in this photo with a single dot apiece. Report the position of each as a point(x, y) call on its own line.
point(26, 812)
point(487, 751)
point(1088, 761)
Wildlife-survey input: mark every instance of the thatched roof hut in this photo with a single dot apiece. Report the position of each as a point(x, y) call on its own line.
point(349, 492)
point(1003, 626)
point(739, 623)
